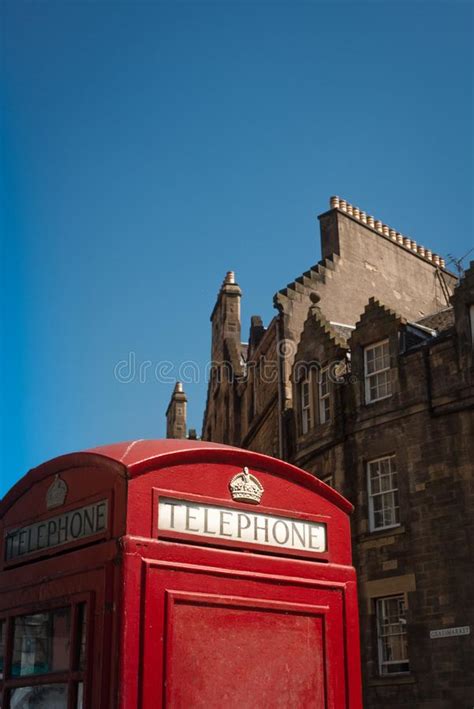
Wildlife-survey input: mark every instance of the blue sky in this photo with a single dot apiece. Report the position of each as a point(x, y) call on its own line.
point(147, 148)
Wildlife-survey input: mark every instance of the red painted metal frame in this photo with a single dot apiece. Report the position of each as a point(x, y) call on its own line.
point(130, 573)
point(87, 567)
point(142, 456)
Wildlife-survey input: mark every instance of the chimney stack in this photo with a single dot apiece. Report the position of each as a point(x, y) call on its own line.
point(176, 413)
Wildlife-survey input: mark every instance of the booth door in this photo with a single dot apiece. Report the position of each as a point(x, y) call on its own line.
point(220, 641)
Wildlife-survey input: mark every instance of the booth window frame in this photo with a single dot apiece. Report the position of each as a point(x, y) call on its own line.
point(76, 675)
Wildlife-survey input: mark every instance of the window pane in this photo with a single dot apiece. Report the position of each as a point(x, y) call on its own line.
point(377, 371)
point(3, 627)
point(383, 384)
point(385, 483)
point(41, 643)
point(391, 631)
point(375, 485)
point(369, 358)
point(306, 420)
point(378, 520)
point(305, 407)
point(305, 394)
point(327, 409)
point(82, 635)
point(372, 389)
point(383, 493)
point(324, 383)
point(43, 696)
point(80, 695)
point(388, 516)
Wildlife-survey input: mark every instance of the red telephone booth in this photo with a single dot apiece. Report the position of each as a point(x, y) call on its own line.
point(178, 574)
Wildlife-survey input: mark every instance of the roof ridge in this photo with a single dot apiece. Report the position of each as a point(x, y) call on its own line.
point(378, 226)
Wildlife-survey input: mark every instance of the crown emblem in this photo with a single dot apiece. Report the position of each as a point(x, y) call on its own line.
point(56, 494)
point(244, 487)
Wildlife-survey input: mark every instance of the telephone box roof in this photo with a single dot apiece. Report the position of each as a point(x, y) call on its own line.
point(133, 458)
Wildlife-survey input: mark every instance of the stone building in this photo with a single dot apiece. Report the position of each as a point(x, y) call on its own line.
point(364, 378)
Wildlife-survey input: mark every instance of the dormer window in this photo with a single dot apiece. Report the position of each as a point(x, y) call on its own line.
point(324, 396)
point(377, 372)
point(305, 403)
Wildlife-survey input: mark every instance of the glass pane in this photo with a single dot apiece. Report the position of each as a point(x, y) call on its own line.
point(305, 394)
point(3, 627)
point(324, 384)
point(80, 695)
point(370, 360)
point(82, 635)
point(375, 485)
point(385, 483)
point(327, 409)
point(306, 420)
point(378, 520)
point(392, 635)
point(395, 668)
point(374, 392)
point(41, 643)
point(389, 516)
point(43, 696)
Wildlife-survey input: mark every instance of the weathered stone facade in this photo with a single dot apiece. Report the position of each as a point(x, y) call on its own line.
point(365, 379)
point(425, 427)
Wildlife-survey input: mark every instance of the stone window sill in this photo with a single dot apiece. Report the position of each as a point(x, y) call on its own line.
point(394, 679)
point(390, 532)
